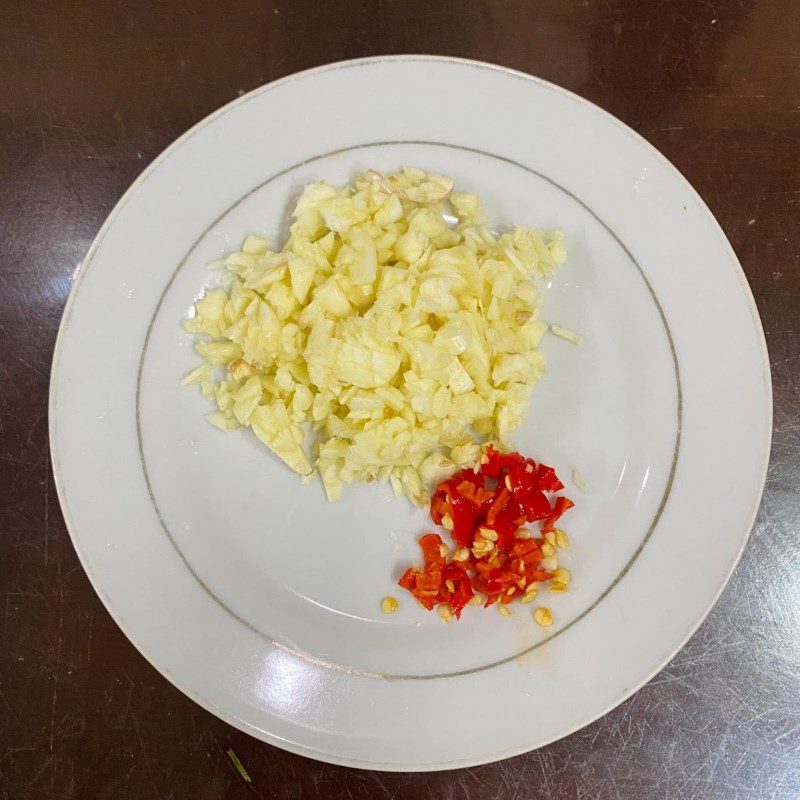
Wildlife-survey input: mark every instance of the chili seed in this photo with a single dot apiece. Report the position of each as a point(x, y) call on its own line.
point(562, 576)
point(389, 605)
point(543, 617)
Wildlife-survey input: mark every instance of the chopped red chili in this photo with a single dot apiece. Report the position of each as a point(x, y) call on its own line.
point(497, 506)
point(536, 506)
point(548, 480)
point(562, 504)
point(431, 546)
point(484, 509)
point(475, 494)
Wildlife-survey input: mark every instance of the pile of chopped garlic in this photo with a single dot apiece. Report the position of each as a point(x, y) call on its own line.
point(392, 320)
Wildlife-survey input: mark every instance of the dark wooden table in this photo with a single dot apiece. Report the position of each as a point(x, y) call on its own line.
point(92, 91)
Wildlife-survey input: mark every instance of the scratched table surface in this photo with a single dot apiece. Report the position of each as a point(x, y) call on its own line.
point(92, 91)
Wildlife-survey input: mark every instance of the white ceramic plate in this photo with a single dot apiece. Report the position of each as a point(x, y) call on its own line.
point(261, 601)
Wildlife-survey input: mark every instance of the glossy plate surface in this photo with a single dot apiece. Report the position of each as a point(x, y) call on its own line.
point(258, 598)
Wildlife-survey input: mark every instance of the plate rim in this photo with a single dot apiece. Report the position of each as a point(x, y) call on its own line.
point(82, 269)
